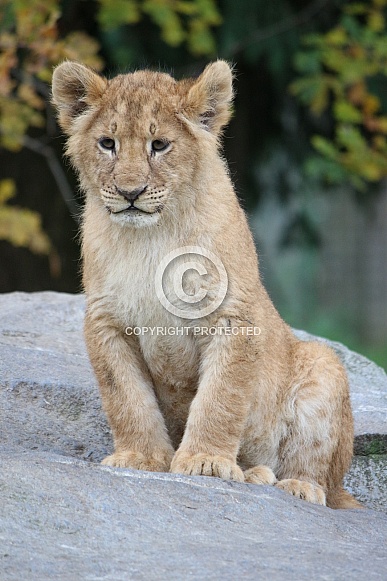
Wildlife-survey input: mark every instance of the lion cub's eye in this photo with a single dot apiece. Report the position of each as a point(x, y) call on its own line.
point(107, 143)
point(158, 145)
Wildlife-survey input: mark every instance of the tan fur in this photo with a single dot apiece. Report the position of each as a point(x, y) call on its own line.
point(253, 408)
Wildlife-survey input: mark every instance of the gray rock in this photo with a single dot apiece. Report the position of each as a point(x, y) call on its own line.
point(66, 517)
point(367, 480)
point(47, 387)
point(71, 520)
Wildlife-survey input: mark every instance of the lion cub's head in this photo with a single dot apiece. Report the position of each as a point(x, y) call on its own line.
point(141, 141)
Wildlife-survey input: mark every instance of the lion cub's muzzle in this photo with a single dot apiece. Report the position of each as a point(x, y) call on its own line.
point(134, 206)
point(131, 197)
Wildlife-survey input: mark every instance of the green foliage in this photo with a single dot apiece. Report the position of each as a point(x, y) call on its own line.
point(179, 21)
point(113, 14)
point(19, 226)
point(341, 73)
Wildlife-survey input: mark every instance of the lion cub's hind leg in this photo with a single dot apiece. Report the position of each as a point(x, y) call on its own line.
point(317, 448)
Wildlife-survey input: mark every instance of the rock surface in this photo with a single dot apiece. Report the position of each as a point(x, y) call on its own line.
point(70, 520)
point(65, 517)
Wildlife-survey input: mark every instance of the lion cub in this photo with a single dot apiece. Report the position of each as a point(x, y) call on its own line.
point(191, 382)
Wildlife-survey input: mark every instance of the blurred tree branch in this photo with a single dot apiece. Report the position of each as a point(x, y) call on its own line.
point(57, 171)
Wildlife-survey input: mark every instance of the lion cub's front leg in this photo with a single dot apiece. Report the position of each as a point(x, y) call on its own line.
point(140, 436)
point(218, 412)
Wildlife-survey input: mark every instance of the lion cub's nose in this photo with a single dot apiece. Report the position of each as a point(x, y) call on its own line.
point(133, 195)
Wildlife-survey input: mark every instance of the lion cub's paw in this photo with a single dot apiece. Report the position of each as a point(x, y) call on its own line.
point(205, 465)
point(260, 475)
point(137, 461)
point(305, 490)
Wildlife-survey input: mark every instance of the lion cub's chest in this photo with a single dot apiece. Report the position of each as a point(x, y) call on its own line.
point(171, 356)
point(173, 363)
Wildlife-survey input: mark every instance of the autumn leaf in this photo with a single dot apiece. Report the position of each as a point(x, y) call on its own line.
point(19, 226)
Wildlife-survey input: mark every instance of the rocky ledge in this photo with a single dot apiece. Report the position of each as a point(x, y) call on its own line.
point(66, 517)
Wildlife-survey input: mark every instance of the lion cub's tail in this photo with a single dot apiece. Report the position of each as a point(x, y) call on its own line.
point(340, 498)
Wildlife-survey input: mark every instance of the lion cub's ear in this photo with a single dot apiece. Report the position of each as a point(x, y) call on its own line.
point(74, 89)
point(209, 98)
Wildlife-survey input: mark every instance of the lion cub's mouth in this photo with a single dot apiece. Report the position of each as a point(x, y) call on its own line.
point(129, 210)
